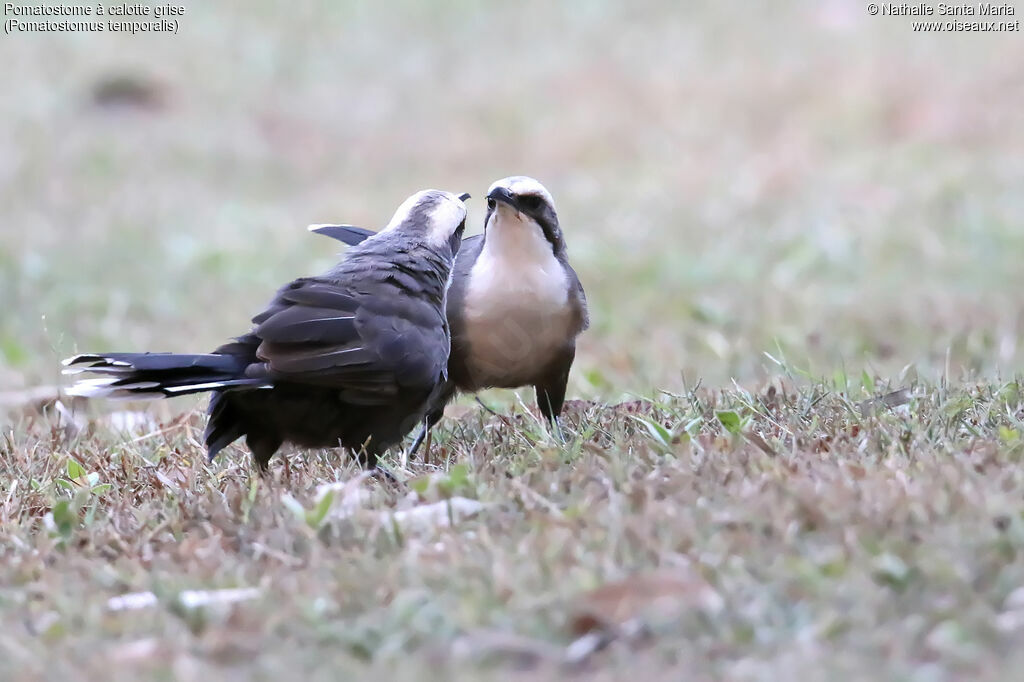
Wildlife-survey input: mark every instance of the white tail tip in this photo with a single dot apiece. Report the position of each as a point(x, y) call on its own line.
point(92, 388)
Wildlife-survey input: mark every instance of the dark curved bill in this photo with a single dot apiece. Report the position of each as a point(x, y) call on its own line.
point(464, 196)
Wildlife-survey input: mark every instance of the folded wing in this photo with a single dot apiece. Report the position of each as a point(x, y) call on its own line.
point(371, 343)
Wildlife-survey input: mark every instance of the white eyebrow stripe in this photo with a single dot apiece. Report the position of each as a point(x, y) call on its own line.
point(522, 185)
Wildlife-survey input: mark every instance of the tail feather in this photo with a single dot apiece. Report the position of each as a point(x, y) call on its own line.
point(160, 361)
point(136, 376)
point(104, 388)
point(223, 426)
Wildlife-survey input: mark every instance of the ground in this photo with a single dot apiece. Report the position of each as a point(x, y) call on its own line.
point(794, 443)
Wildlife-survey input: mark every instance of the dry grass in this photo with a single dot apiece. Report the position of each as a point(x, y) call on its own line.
point(809, 182)
point(737, 535)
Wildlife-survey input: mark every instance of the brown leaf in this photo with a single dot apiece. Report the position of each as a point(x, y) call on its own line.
point(761, 444)
point(856, 471)
point(658, 596)
point(889, 400)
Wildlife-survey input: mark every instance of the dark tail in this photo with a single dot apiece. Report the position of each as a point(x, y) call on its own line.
point(137, 376)
point(348, 234)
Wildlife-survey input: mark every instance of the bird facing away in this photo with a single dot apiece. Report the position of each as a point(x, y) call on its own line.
point(515, 305)
point(353, 357)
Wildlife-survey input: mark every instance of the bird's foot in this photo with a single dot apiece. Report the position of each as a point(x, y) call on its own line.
point(418, 441)
point(424, 434)
point(556, 430)
point(383, 474)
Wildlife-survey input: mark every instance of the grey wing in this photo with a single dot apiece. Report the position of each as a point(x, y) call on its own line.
point(579, 297)
point(370, 343)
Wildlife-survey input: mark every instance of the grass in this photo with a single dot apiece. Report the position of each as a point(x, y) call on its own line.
point(780, 215)
point(799, 529)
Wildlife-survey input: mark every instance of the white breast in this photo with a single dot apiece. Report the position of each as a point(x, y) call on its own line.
point(517, 313)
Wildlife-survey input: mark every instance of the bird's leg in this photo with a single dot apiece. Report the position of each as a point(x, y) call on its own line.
point(430, 436)
point(556, 429)
point(369, 458)
point(429, 420)
point(418, 441)
point(263, 446)
point(384, 475)
point(287, 472)
point(550, 399)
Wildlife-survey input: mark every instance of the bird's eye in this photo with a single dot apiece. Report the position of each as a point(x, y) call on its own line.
point(529, 202)
point(491, 203)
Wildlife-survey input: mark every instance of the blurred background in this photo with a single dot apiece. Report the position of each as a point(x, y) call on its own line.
point(797, 178)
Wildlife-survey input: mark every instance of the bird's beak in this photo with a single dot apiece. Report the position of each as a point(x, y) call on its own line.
point(464, 196)
point(503, 195)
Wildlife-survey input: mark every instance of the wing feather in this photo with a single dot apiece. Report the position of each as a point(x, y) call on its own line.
point(302, 324)
point(370, 342)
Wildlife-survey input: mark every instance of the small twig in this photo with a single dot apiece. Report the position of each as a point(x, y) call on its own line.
point(259, 549)
point(481, 403)
point(537, 498)
point(176, 424)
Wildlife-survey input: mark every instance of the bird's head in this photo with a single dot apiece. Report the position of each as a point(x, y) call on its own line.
point(437, 218)
point(520, 199)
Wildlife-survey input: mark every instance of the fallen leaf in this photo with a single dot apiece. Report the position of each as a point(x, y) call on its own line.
point(514, 649)
point(189, 599)
point(193, 599)
point(657, 596)
point(131, 601)
point(889, 400)
point(760, 443)
point(129, 422)
point(347, 496)
point(438, 514)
